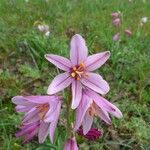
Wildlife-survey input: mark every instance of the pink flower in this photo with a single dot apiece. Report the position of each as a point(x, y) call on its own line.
point(78, 71)
point(71, 144)
point(128, 32)
point(93, 133)
point(116, 22)
point(115, 15)
point(92, 105)
point(41, 116)
point(116, 37)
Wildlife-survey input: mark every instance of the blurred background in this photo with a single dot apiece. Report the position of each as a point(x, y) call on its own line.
point(31, 28)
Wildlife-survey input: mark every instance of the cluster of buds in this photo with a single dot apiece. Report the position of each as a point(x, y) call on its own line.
point(87, 90)
point(116, 21)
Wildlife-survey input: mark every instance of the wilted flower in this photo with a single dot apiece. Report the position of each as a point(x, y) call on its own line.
point(93, 133)
point(116, 22)
point(115, 15)
point(71, 144)
point(127, 32)
point(92, 105)
point(116, 37)
point(41, 116)
point(44, 29)
point(78, 71)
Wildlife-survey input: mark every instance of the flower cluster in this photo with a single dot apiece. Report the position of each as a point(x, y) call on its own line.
point(86, 89)
point(116, 21)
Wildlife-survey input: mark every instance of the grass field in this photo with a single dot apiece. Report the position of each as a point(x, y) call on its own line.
point(24, 70)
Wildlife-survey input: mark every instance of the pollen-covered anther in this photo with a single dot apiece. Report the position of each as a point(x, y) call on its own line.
point(73, 74)
point(78, 71)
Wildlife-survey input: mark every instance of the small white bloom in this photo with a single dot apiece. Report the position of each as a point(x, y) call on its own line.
point(44, 29)
point(144, 19)
point(47, 33)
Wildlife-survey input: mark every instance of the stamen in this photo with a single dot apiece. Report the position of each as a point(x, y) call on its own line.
point(82, 65)
point(78, 71)
point(74, 68)
point(73, 74)
point(78, 78)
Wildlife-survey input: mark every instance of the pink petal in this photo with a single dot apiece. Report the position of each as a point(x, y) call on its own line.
point(104, 104)
point(23, 108)
point(103, 115)
point(59, 61)
point(41, 99)
point(128, 32)
point(79, 51)
point(60, 82)
point(76, 93)
point(43, 131)
point(96, 83)
point(54, 123)
point(95, 61)
point(109, 107)
point(81, 110)
point(116, 22)
point(87, 123)
point(31, 117)
point(53, 112)
point(116, 37)
point(71, 144)
point(30, 135)
point(115, 15)
point(20, 100)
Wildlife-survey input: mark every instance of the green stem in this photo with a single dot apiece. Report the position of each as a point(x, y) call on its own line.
point(68, 114)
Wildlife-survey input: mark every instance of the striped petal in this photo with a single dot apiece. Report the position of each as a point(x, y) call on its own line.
point(96, 83)
point(79, 51)
point(60, 82)
point(76, 93)
point(95, 61)
point(59, 61)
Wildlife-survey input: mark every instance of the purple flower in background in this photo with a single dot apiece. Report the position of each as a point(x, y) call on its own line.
point(78, 71)
point(116, 37)
point(115, 15)
point(127, 32)
point(116, 22)
point(71, 144)
point(41, 116)
point(92, 105)
point(93, 134)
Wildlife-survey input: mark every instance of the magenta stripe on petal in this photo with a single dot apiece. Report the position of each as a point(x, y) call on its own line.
point(76, 93)
point(79, 51)
point(59, 61)
point(81, 110)
point(87, 123)
point(43, 131)
point(60, 82)
point(96, 83)
point(95, 61)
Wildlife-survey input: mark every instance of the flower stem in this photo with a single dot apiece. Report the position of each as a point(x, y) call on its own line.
point(68, 114)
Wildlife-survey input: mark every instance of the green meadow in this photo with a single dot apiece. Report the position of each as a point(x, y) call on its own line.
point(25, 71)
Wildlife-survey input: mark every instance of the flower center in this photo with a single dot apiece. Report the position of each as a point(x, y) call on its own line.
point(43, 109)
point(92, 110)
point(78, 71)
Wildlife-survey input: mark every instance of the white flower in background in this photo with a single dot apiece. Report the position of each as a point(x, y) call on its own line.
point(44, 29)
point(143, 21)
point(26, 1)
